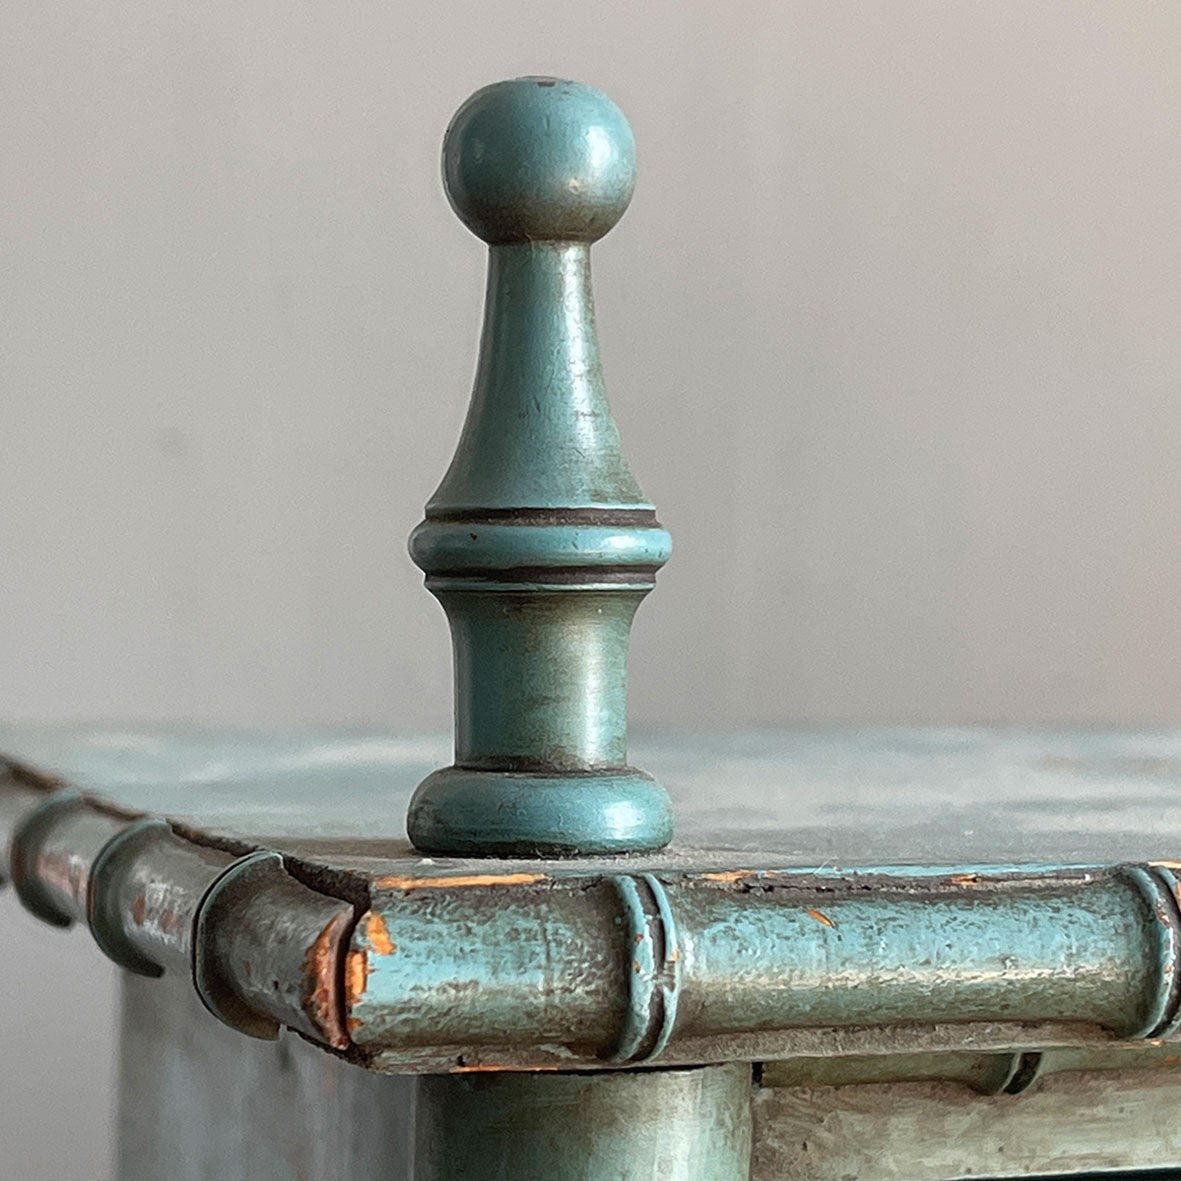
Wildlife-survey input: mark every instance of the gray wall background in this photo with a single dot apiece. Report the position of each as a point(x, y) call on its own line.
point(890, 330)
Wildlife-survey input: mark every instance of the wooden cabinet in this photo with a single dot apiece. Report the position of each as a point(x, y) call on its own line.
point(543, 952)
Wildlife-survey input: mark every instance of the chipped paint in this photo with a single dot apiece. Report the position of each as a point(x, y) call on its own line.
point(1082, 946)
point(322, 999)
point(378, 935)
point(401, 882)
point(356, 976)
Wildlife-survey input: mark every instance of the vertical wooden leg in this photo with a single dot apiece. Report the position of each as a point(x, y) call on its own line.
point(671, 1125)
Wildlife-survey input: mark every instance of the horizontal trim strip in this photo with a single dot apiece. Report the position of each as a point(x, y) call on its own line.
point(547, 964)
point(775, 957)
point(477, 546)
point(616, 517)
point(543, 578)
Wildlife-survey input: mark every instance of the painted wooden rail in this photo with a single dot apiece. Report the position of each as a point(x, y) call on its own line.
point(666, 965)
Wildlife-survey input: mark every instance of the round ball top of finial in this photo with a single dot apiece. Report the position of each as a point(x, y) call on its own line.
point(539, 159)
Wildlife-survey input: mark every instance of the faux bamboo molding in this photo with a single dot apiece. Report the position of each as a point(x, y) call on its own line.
point(598, 969)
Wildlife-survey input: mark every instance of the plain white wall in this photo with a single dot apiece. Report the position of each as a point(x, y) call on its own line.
point(890, 332)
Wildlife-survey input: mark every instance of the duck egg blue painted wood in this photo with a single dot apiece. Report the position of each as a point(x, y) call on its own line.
point(539, 543)
point(675, 1125)
point(539, 159)
point(539, 432)
point(756, 959)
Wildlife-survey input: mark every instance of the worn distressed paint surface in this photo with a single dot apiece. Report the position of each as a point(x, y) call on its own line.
point(520, 964)
point(555, 969)
point(711, 962)
point(540, 547)
point(582, 964)
point(889, 958)
point(538, 543)
point(1068, 1125)
point(286, 1109)
point(826, 799)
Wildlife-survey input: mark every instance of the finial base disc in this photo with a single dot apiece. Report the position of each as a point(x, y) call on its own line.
point(459, 810)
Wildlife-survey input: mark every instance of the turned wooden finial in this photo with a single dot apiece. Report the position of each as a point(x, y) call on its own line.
point(538, 542)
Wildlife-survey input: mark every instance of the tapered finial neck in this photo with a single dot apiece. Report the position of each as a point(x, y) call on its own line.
point(539, 432)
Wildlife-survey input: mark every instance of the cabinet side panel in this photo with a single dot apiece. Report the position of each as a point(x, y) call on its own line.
point(199, 1101)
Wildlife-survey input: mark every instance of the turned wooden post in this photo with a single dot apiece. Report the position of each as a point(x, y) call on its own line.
point(539, 543)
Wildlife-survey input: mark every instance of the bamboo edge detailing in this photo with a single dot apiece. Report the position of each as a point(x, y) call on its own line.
point(642, 968)
point(155, 901)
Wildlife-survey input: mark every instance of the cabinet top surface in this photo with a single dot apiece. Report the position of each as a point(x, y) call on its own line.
point(806, 798)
